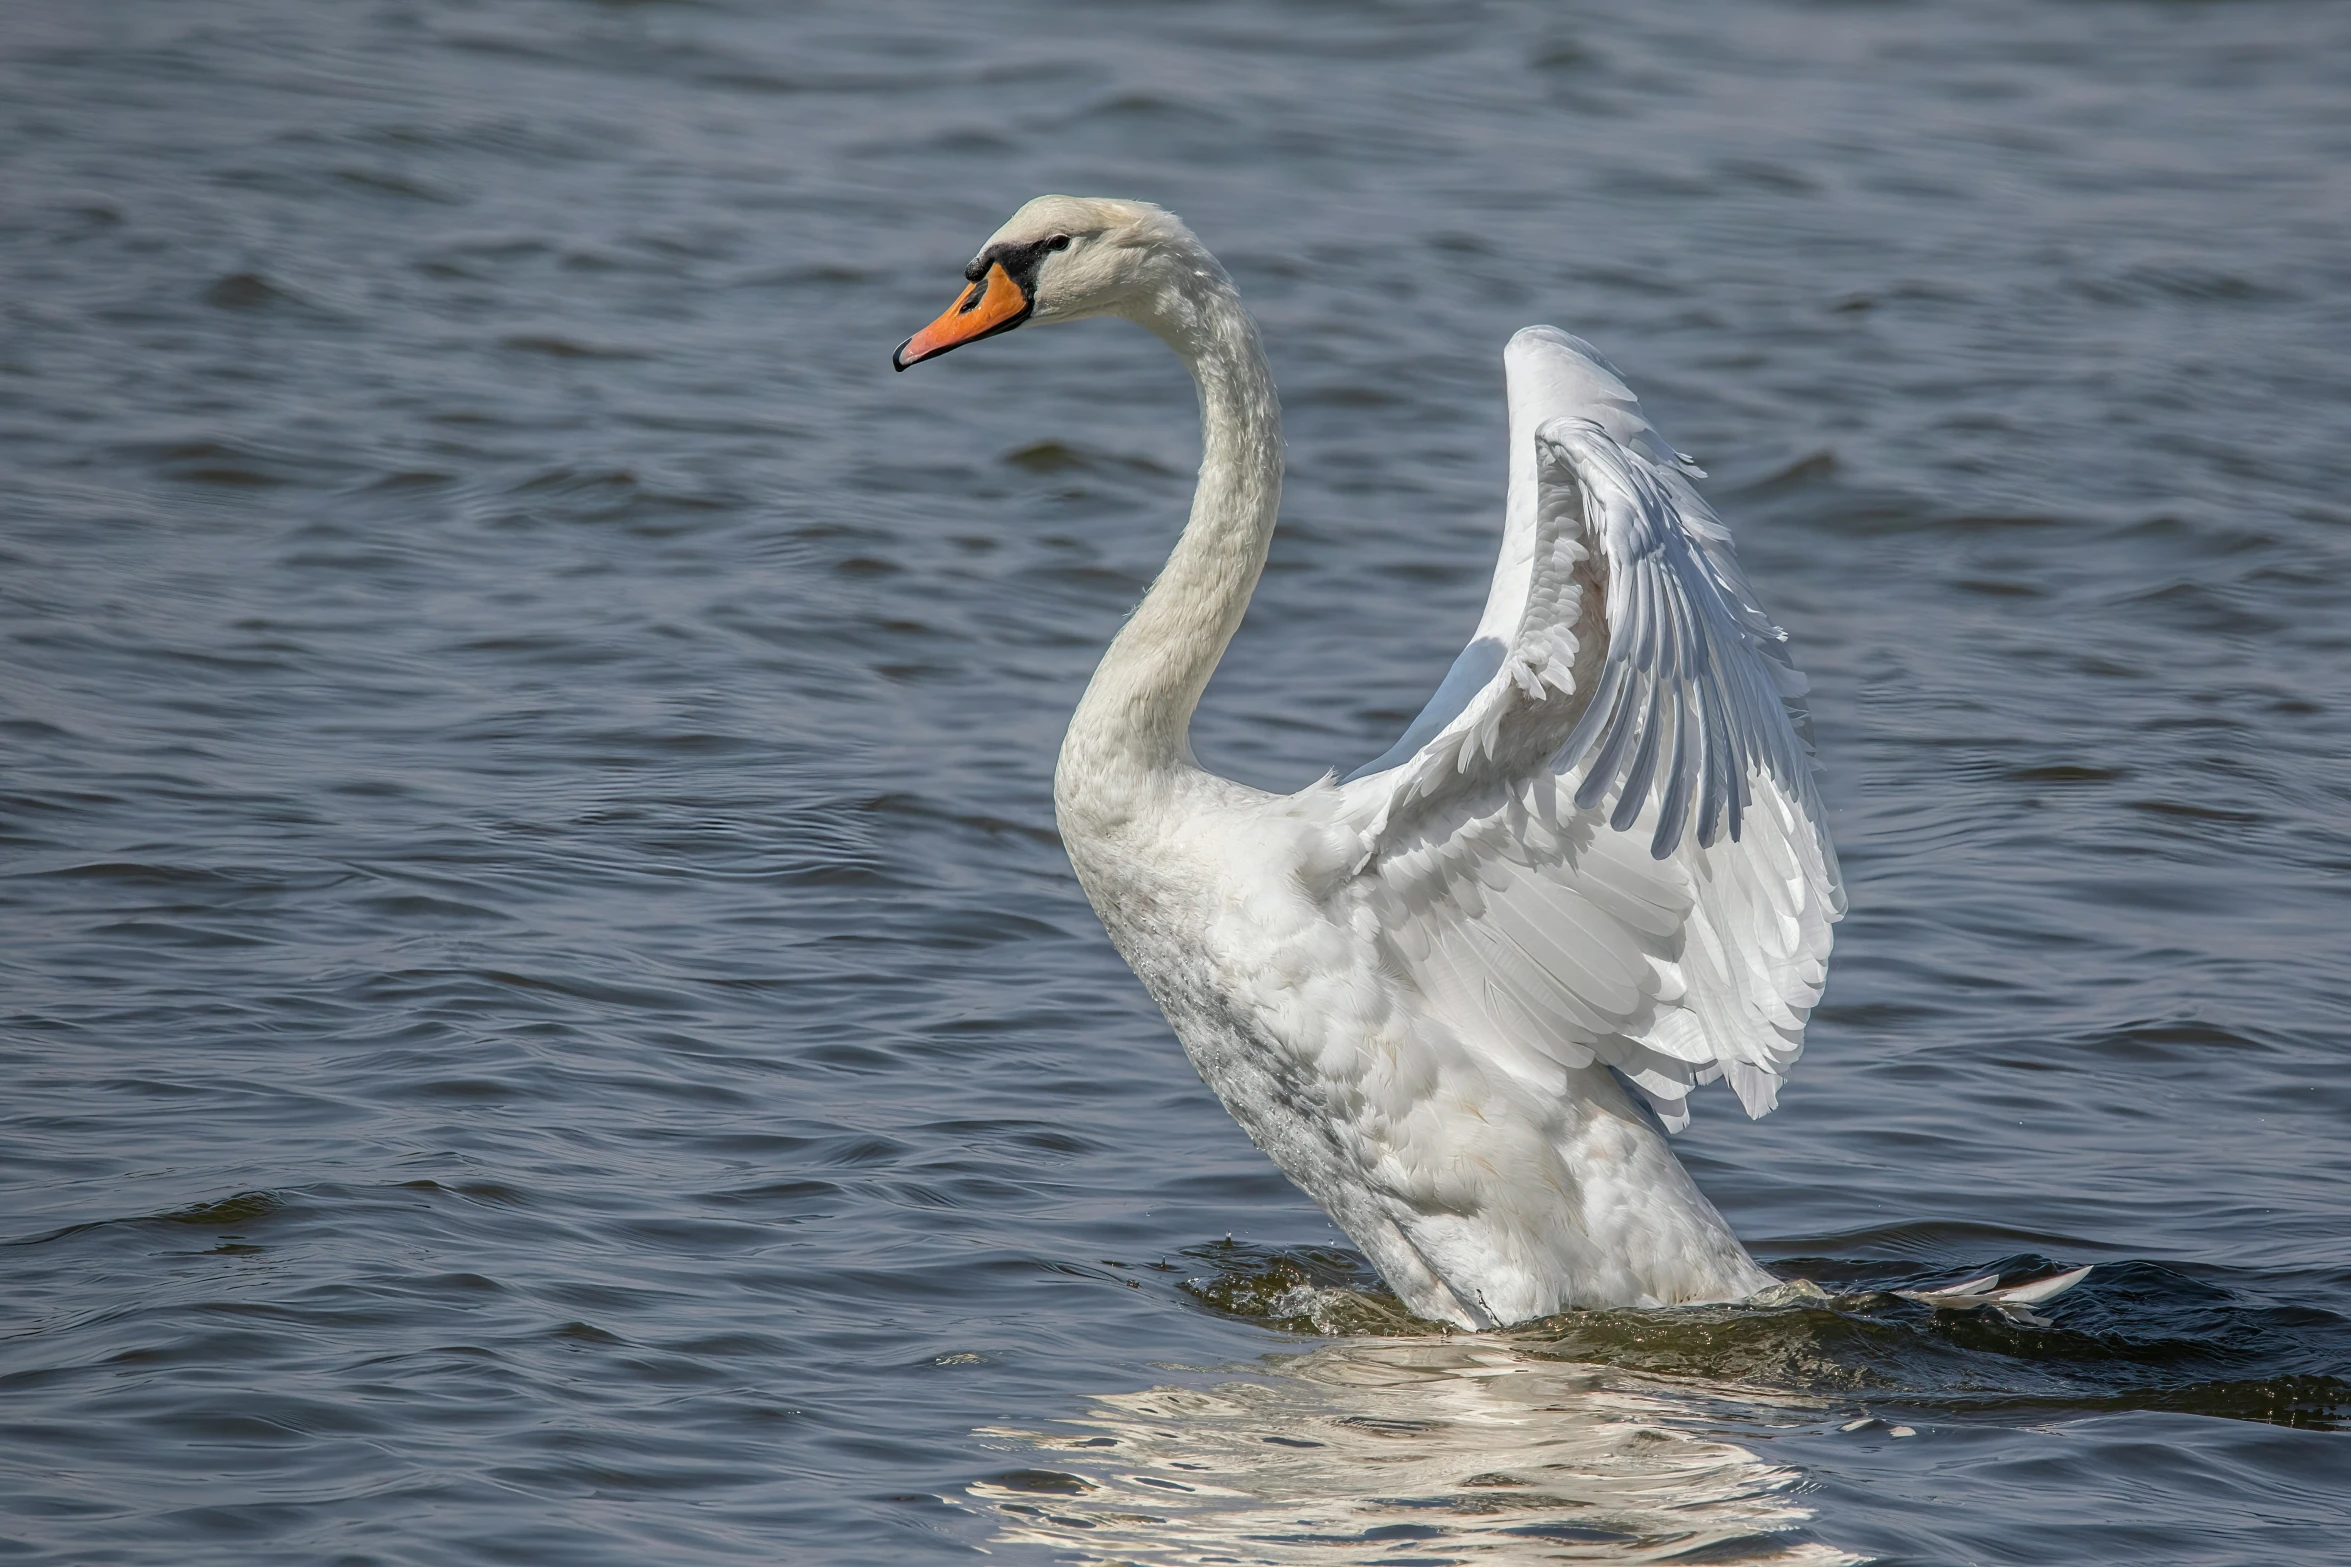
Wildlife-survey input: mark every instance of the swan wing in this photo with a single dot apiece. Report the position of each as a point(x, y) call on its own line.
point(1603, 840)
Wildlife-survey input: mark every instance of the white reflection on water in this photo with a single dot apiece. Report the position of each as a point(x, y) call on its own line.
point(1430, 1450)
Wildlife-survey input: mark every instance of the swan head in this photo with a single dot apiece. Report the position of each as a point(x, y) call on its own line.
point(1063, 258)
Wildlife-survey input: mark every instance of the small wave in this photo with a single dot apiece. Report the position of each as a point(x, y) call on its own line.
point(555, 346)
point(2135, 1335)
point(234, 1213)
point(257, 291)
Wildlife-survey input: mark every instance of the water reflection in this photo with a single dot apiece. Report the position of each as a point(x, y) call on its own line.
point(1415, 1449)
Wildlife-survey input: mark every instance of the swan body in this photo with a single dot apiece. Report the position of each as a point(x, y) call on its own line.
point(1459, 995)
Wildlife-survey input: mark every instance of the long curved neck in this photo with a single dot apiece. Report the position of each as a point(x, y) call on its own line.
point(1132, 730)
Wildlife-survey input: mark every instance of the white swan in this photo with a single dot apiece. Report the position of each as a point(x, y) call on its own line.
point(1596, 858)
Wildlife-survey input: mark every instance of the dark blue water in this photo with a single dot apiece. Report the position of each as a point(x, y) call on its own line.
point(546, 1020)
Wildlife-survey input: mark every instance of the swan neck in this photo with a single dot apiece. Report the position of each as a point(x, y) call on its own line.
point(1134, 722)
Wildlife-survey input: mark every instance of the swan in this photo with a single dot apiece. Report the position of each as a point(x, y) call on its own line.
point(1460, 994)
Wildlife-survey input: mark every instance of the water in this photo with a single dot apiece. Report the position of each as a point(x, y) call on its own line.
point(546, 1019)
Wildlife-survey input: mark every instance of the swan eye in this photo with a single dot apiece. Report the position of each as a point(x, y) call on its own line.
point(1058, 242)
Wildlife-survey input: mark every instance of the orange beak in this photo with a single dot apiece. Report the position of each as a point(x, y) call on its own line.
point(993, 304)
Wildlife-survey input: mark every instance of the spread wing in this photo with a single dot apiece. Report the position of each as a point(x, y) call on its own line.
point(1602, 840)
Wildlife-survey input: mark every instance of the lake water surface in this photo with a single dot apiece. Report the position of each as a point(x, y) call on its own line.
point(545, 1017)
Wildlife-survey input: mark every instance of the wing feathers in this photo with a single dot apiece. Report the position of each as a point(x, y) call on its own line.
point(1641, 876)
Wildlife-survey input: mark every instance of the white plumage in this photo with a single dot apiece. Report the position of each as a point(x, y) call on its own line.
point(1598, 851)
